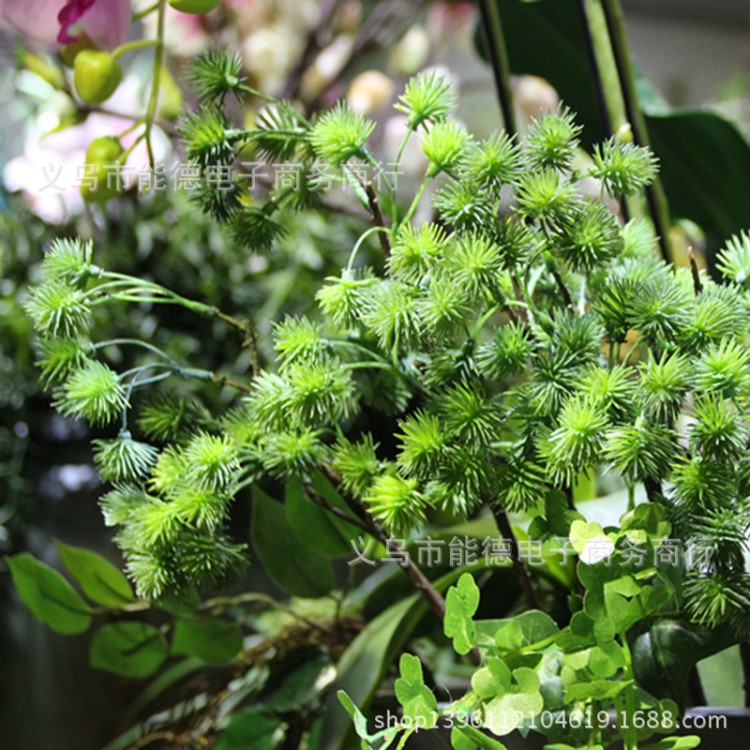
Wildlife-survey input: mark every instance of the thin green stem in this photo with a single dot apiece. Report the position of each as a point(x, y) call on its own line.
point(417, 198)
point(132, 46)
point(153, 102)
point(133, 342)
point(498, 52)
point(656, 197)
point(145, 12)
point(359, 243)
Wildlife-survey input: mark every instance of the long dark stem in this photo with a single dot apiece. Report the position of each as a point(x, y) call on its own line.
point(599, 86)
point(519, 565)
point(657, 199)
point(421, 582)
point(377, 219)
point(498, 53)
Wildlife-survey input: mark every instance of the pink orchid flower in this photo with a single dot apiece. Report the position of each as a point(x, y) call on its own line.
point(106, 22)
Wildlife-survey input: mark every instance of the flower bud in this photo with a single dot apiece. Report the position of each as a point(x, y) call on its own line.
point(102, 178)
point(97, 75)
point(194, 6)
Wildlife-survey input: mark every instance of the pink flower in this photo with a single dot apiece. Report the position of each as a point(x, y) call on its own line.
point(106, 22)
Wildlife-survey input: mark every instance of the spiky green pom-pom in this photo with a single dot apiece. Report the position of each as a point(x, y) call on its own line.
point(340, 134)
point(93, 392)
point(427, 97)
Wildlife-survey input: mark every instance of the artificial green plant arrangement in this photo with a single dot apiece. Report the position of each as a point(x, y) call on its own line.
point(515, 340)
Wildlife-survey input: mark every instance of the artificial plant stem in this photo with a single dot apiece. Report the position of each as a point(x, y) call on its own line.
point(333, 510)
point(417, 198)
point(134, 342)
point(657, 199)
point(421, 582)
point(145, 12)
point(132, 46)
point(153, 101)
point(378, 220)
point(606, 72)
point(601, 91)
point(607, 79)
point(519, 566)
point(498, 52)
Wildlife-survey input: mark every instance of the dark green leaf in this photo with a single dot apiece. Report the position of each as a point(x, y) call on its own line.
point(664, 655)
point(364, 663)
point(212, 641)
point(130, 649)
point(292, 565)
point(470, 738)
point(302, 683)
point(101, 581)
point(251, 729)
point(705, 168)
point(315, 526)
point(48, 595)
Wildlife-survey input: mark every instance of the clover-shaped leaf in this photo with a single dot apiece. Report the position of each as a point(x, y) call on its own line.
point(461, 604)
point(646, 523)
point(590, 542)
point(418, 701)
point(509, 698)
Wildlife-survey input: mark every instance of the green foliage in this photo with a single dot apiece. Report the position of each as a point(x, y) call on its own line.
point(51, 599)
point(518, 347)
point(427, 98)
point(340, 134)
point(130, 649)
point(461, 605)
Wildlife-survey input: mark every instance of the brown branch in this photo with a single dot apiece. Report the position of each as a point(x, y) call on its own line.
point(421, 582)
point(251, 337)
point(378, 220)
point(323, 503)
point(224, 380)
point(519, 566)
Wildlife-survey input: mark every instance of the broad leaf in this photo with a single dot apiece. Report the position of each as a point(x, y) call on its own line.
point(101, 581)
point(48, 595)
point(315, 526)
point(292, 565)
point(302, 682)
point(211, 641)
point(251, 729)
point(470, 738)
point(664, 655)
point(130, 649)
point(364, 663)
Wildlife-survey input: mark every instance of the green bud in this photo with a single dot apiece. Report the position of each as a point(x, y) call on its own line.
point(194, 6)
point(97, 75)
point(103, 158)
